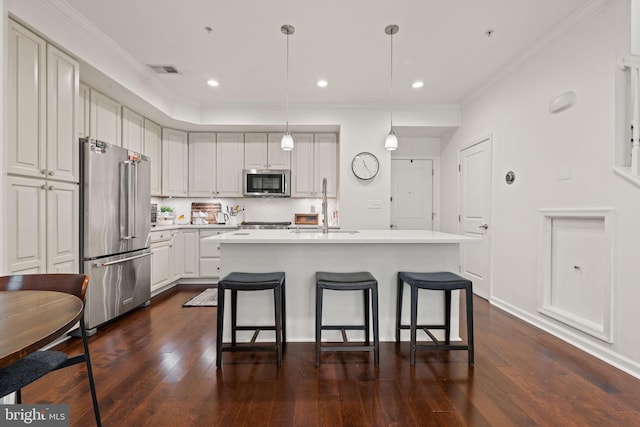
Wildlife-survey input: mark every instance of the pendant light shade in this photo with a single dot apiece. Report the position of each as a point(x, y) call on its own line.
point(391, 142)
point(287, 141)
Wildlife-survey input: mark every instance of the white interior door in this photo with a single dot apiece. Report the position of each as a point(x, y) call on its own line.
point(412, 194)
point(475, 211)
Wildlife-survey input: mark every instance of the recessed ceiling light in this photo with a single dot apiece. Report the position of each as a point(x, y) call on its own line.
point(322, 83)
point(417, 84)
point(213, 83)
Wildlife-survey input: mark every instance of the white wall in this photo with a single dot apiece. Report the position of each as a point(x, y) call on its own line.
point(536, 144)
point(3, 131)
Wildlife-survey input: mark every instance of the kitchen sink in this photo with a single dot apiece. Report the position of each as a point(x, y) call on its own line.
point(319, 231)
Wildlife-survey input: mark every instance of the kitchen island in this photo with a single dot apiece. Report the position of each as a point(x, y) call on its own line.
point(300, 253)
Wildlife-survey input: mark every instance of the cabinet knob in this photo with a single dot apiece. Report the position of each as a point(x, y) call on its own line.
point(43, 187)
point(51, 188)
point(43, 171)
point(51, 173)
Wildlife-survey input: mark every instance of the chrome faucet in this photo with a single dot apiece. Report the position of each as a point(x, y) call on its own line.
point(325, 226)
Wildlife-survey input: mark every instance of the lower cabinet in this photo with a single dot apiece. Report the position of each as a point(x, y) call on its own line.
point(190, 253)
point(161, 259)
point(210, 254)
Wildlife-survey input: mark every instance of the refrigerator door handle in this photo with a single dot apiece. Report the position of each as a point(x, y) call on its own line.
point(120, 261)
point(128, 177)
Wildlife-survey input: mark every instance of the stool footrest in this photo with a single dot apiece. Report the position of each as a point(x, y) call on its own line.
point(437, 347)
point(347, 348)
point(248, 347)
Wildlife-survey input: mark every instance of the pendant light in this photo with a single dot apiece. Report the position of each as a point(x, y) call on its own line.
point(287, 141)
point(391, 142)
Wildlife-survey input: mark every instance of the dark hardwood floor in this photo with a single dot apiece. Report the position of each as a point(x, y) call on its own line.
point(156, 366)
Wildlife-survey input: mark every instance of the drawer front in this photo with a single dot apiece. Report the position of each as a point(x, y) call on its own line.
point(160, 236)
point(209, 267)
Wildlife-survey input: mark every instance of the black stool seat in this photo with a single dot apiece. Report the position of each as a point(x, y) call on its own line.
point(363, 281)
point(437, 281)
point(237, 281)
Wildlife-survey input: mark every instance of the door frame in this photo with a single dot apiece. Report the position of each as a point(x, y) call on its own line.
point(436, 185)
point(488, 138)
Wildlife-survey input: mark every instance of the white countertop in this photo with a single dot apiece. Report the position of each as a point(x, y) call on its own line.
point(340, 236)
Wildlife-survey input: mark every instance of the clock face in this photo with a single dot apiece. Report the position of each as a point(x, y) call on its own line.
point(365, 165)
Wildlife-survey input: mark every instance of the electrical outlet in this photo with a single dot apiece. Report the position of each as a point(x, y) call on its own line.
point(374, 204)
point(313, 209)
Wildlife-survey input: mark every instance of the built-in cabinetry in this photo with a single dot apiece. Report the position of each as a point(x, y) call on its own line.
point(262, 151)
point(105, 118)
point(162, 255)
point(132, 130)
point(315, 157)
point(42, 156)
point(153, 149)
point(215, 164)
point(175, 168)
point(191, 253)
point(210, 254)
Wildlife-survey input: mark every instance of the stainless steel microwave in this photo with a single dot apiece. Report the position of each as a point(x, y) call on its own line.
point(266, 182)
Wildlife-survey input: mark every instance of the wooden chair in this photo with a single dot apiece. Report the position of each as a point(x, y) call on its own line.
point(25, 371)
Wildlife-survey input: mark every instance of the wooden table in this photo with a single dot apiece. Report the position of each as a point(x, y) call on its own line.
point(29, 320)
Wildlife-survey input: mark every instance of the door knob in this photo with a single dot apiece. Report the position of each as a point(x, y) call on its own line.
point(484, 226)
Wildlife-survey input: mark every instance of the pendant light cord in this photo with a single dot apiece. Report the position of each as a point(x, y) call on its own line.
point(391, 83)
point(287, 74)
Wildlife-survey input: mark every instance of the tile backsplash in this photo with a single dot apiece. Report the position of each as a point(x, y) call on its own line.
point(256, 209)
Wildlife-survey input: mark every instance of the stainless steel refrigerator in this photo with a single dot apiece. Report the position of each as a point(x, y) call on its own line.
point(115, 225)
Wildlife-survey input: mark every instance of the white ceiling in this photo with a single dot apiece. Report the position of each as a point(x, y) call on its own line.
point(441, 42)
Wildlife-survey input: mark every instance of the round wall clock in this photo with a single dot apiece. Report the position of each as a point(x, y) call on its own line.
point(365, 165)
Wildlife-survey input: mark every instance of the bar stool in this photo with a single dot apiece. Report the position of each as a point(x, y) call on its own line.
point(438, 281)
point(252, 282)
point(362, 281)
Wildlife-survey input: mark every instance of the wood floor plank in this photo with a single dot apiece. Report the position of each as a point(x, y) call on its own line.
point(156, 366)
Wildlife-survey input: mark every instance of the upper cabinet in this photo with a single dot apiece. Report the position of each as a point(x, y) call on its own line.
point(315, 156)
point(84, 104)
point(229, 161)
point(202, 164)
point(153, 148)
point(262, 151)
point(105, 119)
point(175, 165)
point(41, 78)
point(132, 130)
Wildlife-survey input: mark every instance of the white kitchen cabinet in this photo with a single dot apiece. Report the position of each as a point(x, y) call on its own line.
point(210, 254)
point(190, 253)
point(105, 123)
point(176, 253)
point(161, 266)
point(41, 79)
point(262, 151)
point(325, 162)
point(153, 149)
point(175, 167)
point(276, 156)
point(229, 163)
point(202, 164)
point(314, 158)
point(84, 107)
point(132, 130)
point(44, 235)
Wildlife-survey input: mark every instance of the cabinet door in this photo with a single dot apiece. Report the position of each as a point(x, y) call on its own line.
point(160, 264)
point(326, 162)
point(26, 94)
point(202, 164)
point(153, 149)
point(229, 161)
point(132, 130)
point(106, 119)
point(255, 151)
point(63, 211)
point(277, 157)
point(84, 104)
point(302, 174)
point(176, 163)
point(176, 253)
point(26, 237)
point(63, 152)
point(190, 253)
point(209, 254)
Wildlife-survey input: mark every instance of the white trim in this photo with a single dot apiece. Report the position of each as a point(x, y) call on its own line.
point(625, 173)
point(604, 330)
point(607, 355)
